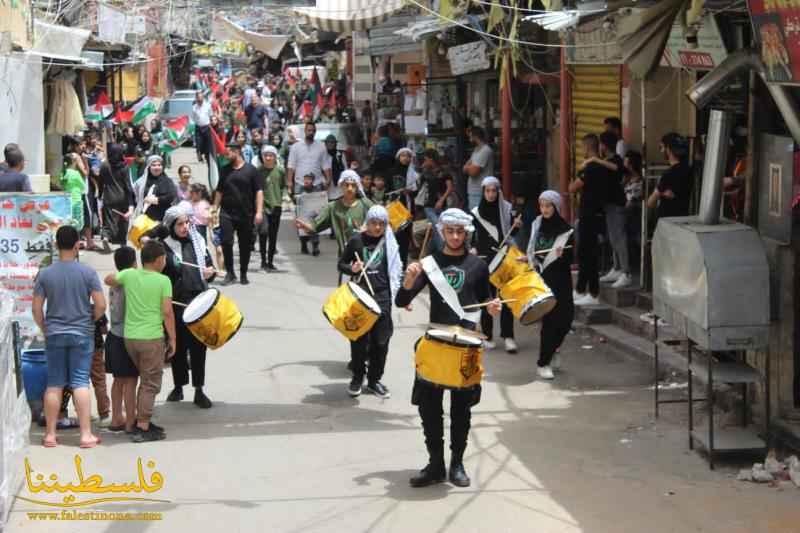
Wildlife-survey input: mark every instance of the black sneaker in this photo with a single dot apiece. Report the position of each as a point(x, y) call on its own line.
point(201, 400)
point(315, 253)
point(354, 390)
point(151, 435)
point(304, 249)
point(158, 428)
point(230, 279)
point(176, 395)
point(430, 475)
point(270, 268)
point(263, 265)
point(379, 389)
point(245, 281)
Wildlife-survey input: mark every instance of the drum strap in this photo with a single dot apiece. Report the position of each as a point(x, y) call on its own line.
point(488, 226)
point(447, 292)
point(560, 242)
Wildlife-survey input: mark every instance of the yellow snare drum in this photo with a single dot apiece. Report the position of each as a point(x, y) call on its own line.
point(141, 225)
point(504, 267)
point(351, 310)
point(449, 360)
point(399, 216)
point(534, 299)
point(212, 318)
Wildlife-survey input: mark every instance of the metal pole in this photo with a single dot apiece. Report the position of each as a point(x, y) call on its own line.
point(644, 232)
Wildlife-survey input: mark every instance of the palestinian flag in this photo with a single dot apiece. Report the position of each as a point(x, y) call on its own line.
point(122, 117)
point(142, 108)
point(101, 108)
point(216, 161)
point(176, 132)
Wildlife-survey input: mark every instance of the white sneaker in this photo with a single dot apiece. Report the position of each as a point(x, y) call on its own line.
point(511, 346)
point(489, 345)
point(555, 363)
point(577, 295)
point(545, 372)
point(611, 275)
point(623, 281)
point(587, 299)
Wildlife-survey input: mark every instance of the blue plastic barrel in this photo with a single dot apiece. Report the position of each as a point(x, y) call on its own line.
point(34, 374)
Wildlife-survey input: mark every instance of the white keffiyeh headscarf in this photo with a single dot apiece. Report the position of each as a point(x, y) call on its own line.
point(351, 176)
point(184, 209)
point(411, 174)
point(455, 217)
point(378, 212)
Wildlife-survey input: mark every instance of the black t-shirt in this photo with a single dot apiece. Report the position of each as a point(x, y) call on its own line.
point(436, 185)
point(378, 271)
point(467, 274)
point(239, 188)
point(595, 179)
point(678, 179)
point(616, 190)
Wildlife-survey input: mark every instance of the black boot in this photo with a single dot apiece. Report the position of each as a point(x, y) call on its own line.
point(315, 251)
point(176, 395)
point(243, 278)
point(458, 476)
point(230, 279)
point(200, 399)
point(433, 473)
point(304, 247)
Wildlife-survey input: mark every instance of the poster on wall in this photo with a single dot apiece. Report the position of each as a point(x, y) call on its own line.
point(776, 25)
point(28, 223)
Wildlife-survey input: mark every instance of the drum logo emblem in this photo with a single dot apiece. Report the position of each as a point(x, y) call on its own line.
point(353, 321)
point(455, 277)
point(470, 364)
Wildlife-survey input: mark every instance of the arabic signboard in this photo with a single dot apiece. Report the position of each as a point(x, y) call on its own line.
point(27, 228)
point(470, 57)
point(776, 25)
point(708, 54)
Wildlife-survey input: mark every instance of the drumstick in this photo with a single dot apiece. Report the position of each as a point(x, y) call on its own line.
point(181, 304)
point(198, 267)
point(484, 304)
point(120, 213)
point(365, 276)
point(425, 241)
point(540, 252)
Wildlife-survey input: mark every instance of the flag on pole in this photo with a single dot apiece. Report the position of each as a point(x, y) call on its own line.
point(216, 160)
point(123, 116)
point(176, 132)
point(101, 108)
point(141, 108)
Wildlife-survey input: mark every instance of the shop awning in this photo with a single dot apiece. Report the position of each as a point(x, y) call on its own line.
point(223, 29)
point(348, 15)
point(430, 25)
point(643, 35)
point(59, 42)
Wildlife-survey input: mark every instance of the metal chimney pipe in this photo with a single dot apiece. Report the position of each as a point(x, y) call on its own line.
point(719, 134)
point(746, 58)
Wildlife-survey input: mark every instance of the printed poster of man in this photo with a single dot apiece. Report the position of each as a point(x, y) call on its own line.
point(777, 30)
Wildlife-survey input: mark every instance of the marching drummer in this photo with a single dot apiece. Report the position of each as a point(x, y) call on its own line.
point(189, 269)
point(494, 223)
point(374, 252)
point(345, 215)
point(456, 279)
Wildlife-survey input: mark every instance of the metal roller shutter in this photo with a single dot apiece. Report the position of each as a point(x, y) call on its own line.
point(595, 96)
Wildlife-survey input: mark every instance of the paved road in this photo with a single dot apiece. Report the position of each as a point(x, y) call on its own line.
point(285, 449)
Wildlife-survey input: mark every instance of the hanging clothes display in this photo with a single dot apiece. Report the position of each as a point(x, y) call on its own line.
point(64, 109)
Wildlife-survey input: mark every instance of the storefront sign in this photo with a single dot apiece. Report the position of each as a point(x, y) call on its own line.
point(470, 57)
point(777, 29)
point(708, 54)
point(28, 223)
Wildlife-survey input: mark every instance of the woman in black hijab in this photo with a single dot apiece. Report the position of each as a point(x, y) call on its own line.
point(551, 232)
point(155, 191)
point(493, 221)
point(117, 195)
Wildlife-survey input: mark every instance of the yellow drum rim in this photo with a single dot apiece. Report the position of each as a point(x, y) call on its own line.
point(212, 306)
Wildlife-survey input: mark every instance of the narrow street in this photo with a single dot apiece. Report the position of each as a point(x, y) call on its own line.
point(285, 449)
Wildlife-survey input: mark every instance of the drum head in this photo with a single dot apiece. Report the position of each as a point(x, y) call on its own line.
point(364, 297)
point(498, 259)
point(454, 338)
point(198, 307)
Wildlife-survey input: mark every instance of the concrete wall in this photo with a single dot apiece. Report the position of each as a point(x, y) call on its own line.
point(22, 108)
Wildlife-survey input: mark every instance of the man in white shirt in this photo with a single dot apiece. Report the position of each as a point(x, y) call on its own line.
point(308, 157)
point(614, 125)
point(480, 165)
point(201, 116)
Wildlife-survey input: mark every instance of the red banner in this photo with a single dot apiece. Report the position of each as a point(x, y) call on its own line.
point(777, 30)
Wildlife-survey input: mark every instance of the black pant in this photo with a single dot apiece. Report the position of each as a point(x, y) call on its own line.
point(116, 227)
point(404, 243)
point(268, 230)
point(244, 232)
point(428, 398)
point(373, 347)
point(187, 346)
point(203, 140)
point(589, 228)
point(506, 320)
point(555, 327)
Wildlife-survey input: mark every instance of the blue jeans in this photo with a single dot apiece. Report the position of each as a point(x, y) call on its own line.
point(436, 240)
point(69, 360)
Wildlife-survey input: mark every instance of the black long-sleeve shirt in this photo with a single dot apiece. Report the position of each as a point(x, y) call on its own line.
point(378, 272)
point(484, 243)
point(467, 274)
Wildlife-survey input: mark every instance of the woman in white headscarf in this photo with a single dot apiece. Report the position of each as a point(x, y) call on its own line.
point(493, 221)
point(183, 246)
point(155, 191)
point(375, 252)
point(553, 233)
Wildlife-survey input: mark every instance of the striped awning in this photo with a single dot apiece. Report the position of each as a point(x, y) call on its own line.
point(348, 15)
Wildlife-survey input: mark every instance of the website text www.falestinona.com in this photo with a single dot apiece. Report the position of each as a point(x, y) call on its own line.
point(91, 515)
